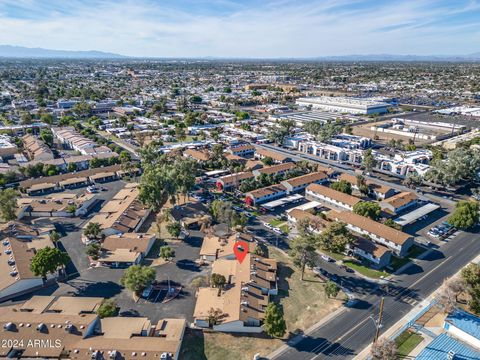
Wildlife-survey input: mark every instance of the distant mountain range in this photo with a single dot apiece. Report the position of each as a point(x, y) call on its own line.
point(25, 52)
point(10, 51)
point(390, 57)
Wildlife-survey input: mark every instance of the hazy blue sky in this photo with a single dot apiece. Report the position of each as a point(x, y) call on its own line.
point(244, 28)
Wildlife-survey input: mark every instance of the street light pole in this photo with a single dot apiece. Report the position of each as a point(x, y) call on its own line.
point(379, 322)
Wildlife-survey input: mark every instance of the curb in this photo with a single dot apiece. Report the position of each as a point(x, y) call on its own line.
point(297, 338)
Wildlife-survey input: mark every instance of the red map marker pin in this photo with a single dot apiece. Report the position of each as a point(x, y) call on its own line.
point(240, 249)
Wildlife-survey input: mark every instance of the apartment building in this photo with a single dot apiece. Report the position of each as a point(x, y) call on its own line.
point(124, 213)
point(376, 190)
point(331, 197)
point(124, 250)
point(265, 194)
point(234, 180)
point(46, 327)
point(399, 202)
point(261, 153)
point(243, 150)
point(330, 152)
point(56, 205)
point(18, 246)
point(299, 183)
point(197, 155)
point(7, 149)
point(397, 241)
point(378, 255)
point(244, 298)
point(279, 169)
point(221, 247)
point(36, 149)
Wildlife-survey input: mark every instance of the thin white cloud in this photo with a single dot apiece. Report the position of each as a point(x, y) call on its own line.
point(281, 28)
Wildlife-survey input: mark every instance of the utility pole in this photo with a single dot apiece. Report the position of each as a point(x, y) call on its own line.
point(379, 322)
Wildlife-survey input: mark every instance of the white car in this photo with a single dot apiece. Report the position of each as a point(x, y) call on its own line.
point(327, 258)
point(277, 230)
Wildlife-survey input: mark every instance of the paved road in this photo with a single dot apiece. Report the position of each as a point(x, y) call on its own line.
point(346, 335)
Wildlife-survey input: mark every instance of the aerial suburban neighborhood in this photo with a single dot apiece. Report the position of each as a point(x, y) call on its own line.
point(219, 209)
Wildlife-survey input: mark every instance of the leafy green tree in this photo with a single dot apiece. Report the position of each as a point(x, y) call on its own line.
point(368, 209)
point(392, 224)
point(137, 278)
point(331, 289)
point(157, 184)
point(274, 323)
point(8, 204)
point(218, 280)
point(336, 237)
point(368, 160)
point(54, 237)
point(342, 186)
point(465, 215)
point(108, 308)
point(362, 185)
point(174, 229)
point(46, 136)
point(471, 276)
point(92, 230)
point(48, 260)
point(167, 253)
point(303, 251)
point(278, 134)
point(460, 165)
point(268, 161)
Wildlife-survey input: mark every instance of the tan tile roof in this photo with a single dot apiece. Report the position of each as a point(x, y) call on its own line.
point(371, 226)
point(273, 189)
point(231, 179)
point(370, 247)
point(272, 154)
point(401, 199)
point(201, 155)
point(306, 179)
point(277, 168)
point(334, 194)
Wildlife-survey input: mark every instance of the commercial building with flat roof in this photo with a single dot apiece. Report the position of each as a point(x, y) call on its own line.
point(348, 105)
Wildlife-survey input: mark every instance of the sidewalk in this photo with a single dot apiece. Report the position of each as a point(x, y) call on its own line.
point(364, 354)
point(296, 339)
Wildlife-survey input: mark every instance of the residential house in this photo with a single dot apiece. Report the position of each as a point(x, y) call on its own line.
point(377, 255)
point(219, 247)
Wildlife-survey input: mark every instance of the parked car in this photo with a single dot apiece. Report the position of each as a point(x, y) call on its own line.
point(327, 258)
point(347, 269)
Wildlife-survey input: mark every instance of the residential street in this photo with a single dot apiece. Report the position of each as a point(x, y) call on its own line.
point(346, 335)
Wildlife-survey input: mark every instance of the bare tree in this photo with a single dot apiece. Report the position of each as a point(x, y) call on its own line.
point(384, 349)
point(449, 292)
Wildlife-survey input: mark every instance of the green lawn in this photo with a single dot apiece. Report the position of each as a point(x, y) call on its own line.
point(285, 228)
point(414, 252)
point(333, 255)
point(276, 222)
point(364, 270)
point(406, 342)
